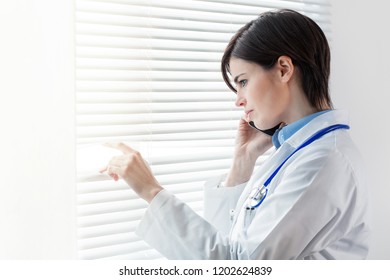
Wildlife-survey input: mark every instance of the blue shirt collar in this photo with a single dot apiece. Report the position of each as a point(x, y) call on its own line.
point(281, 135)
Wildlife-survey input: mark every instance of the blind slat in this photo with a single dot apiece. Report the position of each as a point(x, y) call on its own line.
point(123, 75)
point(173, 12)
point(164, 128)
point(143, 108)
point(120, 196)
point(149, 254)
point(113, 250)
point(86, 61)
point(111, 207)
point(101, 186)
point(158, 48)
point(181, 137)
point(91, 243)
point(121, 119)
point(123, 49)
point(140, 97)
point(197, 10)
point(139, 21)
point(153, 34)
point(109, 218)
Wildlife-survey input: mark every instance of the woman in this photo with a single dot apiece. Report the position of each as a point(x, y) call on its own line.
point(308, 200)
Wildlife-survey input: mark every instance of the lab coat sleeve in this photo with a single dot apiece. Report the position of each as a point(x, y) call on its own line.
point(220, 203)
point(312, 207)
point(177, 232)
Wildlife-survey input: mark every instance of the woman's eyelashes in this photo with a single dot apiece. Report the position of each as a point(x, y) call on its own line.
point(243, 83)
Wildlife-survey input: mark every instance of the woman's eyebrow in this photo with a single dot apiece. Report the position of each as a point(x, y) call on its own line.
point(236, 78)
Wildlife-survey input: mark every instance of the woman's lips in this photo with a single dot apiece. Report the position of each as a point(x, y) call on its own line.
point(248, 115)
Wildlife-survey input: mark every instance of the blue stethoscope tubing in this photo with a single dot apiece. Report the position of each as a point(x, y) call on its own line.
point(263, 190)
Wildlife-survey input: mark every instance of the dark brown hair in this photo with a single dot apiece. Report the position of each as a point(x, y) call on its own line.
point(285, 32)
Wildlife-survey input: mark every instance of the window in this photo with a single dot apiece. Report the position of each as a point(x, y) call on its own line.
point(148, 74)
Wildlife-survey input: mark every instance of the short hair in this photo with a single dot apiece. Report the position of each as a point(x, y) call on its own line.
point(285, 32)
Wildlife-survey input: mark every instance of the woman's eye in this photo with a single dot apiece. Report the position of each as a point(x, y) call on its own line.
point(243, 83)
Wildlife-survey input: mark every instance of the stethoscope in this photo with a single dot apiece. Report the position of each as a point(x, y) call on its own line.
point(258, 194)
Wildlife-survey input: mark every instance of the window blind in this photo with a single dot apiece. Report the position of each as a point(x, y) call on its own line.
point(148, 74)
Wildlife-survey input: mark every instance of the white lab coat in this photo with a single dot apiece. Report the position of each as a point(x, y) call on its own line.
point(316, 207)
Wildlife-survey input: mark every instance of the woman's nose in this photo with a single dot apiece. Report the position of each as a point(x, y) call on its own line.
point(240, 100)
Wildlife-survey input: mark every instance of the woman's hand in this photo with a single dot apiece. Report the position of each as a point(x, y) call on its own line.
point(250, 144)
point(132, 168)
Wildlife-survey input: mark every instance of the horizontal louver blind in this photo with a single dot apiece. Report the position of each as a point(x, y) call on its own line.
point(147, 74)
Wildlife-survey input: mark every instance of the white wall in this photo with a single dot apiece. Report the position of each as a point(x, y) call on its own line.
point(37, 130)
point(360, 83)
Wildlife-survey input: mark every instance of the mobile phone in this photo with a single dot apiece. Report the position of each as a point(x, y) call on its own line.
point(269, 131)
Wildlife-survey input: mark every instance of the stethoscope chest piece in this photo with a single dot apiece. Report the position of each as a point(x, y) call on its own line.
point(256, 197)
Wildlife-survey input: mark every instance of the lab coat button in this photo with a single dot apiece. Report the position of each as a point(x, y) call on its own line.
point(231, 212)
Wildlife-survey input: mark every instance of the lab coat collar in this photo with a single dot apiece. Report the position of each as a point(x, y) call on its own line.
point(324, 120)
point(284, 133)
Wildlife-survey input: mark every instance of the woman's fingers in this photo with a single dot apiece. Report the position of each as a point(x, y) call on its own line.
point(124, 164)
point(115, 161)
point(103, 169)
point(134, 170)
point(121, 147)
point(118, 161)
point(113, 172)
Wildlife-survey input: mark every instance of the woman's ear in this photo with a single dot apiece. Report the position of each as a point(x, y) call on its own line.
point(285, 68)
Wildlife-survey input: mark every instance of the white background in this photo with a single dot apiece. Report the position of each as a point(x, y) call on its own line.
point(37, 182)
